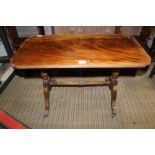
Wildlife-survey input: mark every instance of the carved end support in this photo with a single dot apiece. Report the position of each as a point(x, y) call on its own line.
point(46, 80)
point(113, 86)
point(46, 85)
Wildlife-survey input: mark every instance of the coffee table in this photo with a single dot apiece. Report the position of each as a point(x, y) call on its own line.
point(80, 51)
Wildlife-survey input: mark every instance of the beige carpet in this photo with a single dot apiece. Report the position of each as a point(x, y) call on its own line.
point(82, 107)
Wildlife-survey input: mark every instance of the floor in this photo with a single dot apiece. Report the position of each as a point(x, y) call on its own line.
point(82, 107)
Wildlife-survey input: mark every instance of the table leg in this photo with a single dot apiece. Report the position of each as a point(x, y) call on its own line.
point(46, 85)
point(113, 86)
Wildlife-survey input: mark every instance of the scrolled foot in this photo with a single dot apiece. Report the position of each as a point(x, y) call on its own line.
point(114, 111)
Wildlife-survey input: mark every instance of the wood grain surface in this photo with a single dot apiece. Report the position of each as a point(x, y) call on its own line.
point(80, 51)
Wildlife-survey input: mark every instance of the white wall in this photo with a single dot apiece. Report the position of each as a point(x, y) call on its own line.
point(2, 50)
point(27, 31)
point(48, 30)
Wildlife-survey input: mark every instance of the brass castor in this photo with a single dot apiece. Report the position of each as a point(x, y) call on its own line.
point(114, 111)
point(46, 112)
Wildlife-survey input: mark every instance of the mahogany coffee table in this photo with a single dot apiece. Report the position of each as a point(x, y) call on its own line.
point(80, 51)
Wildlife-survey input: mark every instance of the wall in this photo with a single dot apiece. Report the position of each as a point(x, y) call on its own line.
point(84, 29)
point(131, 30)
point(26, 31)
point(2, 49)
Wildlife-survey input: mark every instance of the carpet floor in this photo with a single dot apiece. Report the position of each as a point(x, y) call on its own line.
point(82, 107)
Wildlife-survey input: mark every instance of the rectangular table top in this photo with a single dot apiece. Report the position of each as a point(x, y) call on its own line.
point(80, 51)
